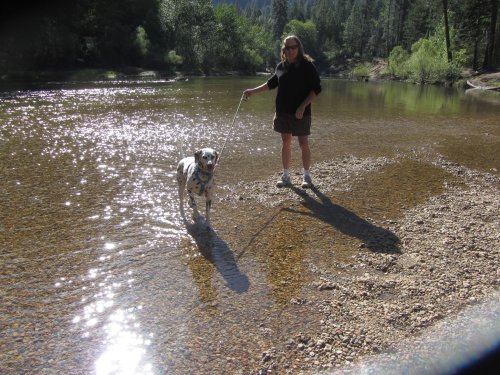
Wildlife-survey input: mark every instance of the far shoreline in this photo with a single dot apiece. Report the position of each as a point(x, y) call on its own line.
point(345, 72)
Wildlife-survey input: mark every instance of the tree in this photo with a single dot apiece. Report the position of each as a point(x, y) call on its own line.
point(328, 19)
point(306, 31)
point(279, 9)
point(228, 41)
point(237, 43)
point(141, 44)
point(472, 20)
point(296, 11)
point(354, 30)
point(188, 35)
point(489, 58)
point(39, 36)
point(189, 25)
point(447, 30)
point(423, 16)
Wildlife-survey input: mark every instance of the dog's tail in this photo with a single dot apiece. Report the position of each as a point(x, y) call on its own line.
point(180, 148)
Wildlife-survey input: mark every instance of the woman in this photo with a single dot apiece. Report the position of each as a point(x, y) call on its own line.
point(298, 85)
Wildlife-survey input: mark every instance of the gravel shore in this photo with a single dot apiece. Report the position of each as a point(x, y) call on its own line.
point(442, 260)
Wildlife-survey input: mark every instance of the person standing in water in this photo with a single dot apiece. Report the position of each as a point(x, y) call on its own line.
point(298, 85)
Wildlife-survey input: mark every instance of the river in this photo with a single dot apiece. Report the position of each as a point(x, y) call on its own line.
point(101, 275)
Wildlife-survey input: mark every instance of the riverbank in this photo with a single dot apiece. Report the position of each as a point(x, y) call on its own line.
point(375, 71)
point(412, 273)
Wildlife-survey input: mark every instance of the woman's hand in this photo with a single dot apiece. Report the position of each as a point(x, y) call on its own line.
point(247, 93)
point(299, 113)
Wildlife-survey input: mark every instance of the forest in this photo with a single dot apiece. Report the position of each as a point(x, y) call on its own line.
point(423, 40)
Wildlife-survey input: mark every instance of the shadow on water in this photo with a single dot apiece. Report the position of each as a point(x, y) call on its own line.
point(216, 251)
point(375, 238)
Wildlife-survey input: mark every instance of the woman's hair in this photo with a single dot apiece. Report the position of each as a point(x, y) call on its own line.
point(301, 55)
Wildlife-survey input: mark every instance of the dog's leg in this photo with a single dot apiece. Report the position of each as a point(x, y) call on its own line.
point(192, 204)
point(208, 203)
point(181, 201)
point(208, 206)
point(181, 180)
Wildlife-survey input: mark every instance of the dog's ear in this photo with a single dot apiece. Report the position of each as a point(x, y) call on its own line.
point(197, 155)
point(216, 157)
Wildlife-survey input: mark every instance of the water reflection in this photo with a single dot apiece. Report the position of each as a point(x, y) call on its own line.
point(125, 349)
point(395, 98)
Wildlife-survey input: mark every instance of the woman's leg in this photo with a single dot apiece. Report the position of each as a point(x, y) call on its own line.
point(286, 156)
point(306, 152)
point(306, 161)
point(286, 149)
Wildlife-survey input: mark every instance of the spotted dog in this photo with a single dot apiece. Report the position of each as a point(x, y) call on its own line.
point(195, 174)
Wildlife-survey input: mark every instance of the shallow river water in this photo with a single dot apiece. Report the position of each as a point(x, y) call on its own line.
point(99, 274)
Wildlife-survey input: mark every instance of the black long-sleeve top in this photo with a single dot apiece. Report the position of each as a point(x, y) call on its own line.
point(295, 82)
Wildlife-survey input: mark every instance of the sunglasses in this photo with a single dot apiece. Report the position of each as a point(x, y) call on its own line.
point(288, 48)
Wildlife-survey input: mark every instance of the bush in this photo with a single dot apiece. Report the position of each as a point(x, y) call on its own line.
point(360, 71)
point(428, 61)
point(172, 58)
point(424, 64)
point(397, 62)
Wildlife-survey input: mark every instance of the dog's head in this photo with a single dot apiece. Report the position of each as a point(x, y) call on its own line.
point(206, 158)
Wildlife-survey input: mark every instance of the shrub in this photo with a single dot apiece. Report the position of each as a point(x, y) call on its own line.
point(360, 71)
point(172, 58)
point(397, 62)
point(424, 64)
point(428, 61)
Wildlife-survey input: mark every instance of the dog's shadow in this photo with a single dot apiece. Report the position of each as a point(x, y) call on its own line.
point(374, 238)
point(218, 253)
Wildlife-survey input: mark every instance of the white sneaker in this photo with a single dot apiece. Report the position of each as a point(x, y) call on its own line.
point(283, 181)
point(307, 182)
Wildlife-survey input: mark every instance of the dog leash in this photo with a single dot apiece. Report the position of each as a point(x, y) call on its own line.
point(230, 130)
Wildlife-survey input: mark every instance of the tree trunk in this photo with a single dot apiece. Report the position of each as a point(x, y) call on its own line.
point(388, 37)
point(475, 63)
point(447, 29)
point(489, 58)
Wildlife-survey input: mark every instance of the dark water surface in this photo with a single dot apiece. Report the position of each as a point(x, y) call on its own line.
point(100, 275)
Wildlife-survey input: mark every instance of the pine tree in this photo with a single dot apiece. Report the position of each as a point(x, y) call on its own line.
point(280, 18)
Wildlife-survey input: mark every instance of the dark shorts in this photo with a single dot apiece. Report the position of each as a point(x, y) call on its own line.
point(285, 123)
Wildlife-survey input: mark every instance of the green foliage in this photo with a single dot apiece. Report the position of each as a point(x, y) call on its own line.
point(187, 25)
point(238, 44)
point(307, 33)
point(428, 61)
point(246, 36)
point(361, 71)
point(141, 41)
point(424, 63)
point(353, 32)
point(397, 61)
point(422, 18)
point(258, 48)
point(172, 58)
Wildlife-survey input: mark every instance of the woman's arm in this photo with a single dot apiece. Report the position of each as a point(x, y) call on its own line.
point(249, 92)
point(299, 113)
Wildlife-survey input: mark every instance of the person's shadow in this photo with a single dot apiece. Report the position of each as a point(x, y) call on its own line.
point(218, 253)
point(374, 238)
